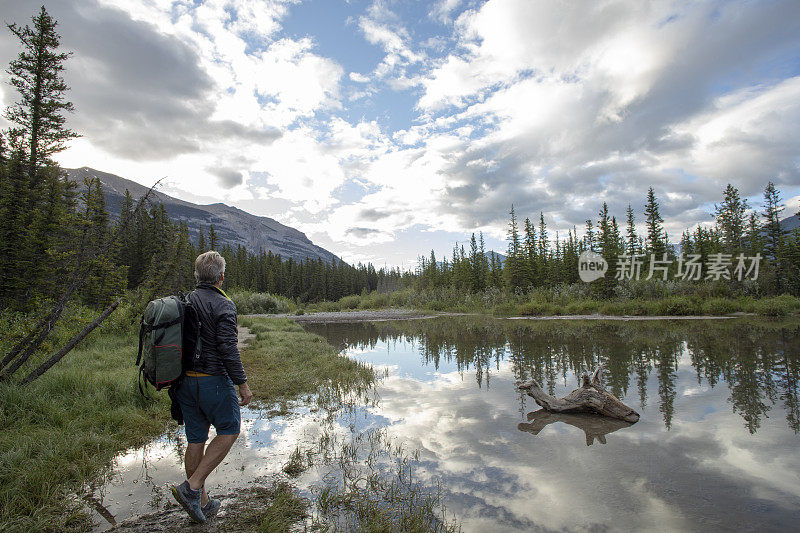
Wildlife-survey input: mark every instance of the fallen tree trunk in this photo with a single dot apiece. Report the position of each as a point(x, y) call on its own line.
point(591, 397)
point(595, 427)
point(56, 357)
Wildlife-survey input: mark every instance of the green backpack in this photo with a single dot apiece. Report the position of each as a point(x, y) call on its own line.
point(169, 341)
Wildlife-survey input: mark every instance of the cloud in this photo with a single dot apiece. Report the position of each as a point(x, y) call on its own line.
point(228, 177)
point(552, 106)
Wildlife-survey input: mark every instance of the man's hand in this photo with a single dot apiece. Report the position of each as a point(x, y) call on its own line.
point(244, 392)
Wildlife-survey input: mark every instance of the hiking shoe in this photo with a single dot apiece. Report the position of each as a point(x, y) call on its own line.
point(210, 509)
point(189, 500)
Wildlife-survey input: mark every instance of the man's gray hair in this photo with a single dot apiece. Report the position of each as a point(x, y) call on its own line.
point(209, 267)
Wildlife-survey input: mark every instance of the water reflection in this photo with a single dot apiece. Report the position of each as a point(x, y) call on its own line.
point(758, 360)
point(712, 450)
point(595, 427)
point(716, 447)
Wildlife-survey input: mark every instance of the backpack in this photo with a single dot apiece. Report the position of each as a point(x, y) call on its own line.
point(169, 341)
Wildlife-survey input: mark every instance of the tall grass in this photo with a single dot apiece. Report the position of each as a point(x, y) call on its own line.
point(63, 429)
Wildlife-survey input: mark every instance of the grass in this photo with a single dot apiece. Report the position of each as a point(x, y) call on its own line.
point(273, 508)
point(63, 430)
point(568, 300)
point(284, 361)
point(373, 488)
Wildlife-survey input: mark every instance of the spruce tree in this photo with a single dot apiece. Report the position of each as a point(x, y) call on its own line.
point(201, 242)
point(36, 202)
point(544, 251)
point(773, 233)
point(632, 240)
point(529, 253)
point(212, 237)
point(38, 121)
point(655, 228)
point(730, 219)
point(514, 268)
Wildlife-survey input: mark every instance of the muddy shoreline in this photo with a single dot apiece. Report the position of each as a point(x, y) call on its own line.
point(383, 315)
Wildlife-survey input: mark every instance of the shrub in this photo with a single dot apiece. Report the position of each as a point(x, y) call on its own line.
point(678, 306)
point(349, 302)
point(250, 303)
point(778, 306)
point(537, 309)
point(718, 306)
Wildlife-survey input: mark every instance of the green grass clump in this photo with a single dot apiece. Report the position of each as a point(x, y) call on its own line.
point(276, 508)
point(373, 488)
point(285, 361)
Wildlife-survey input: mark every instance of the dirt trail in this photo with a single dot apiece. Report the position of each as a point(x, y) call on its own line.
point(244, 337)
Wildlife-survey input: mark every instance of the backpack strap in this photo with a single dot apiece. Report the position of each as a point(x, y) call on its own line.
point(141, 340)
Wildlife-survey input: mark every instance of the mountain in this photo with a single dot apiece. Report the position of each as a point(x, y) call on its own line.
point(789, 223)
point(233, 226)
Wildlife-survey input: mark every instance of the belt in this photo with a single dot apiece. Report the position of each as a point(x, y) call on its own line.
point(193, 374)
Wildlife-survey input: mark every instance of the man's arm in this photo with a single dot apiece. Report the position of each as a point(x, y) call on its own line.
point(228, 350)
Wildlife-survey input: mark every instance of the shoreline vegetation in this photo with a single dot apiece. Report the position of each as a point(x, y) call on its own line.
point(643, 300)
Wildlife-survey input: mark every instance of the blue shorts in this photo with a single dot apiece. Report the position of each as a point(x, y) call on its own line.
point(207, 401)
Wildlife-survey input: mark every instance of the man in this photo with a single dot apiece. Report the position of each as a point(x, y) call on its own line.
point(206, 395)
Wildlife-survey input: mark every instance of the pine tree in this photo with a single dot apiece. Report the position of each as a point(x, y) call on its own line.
point(529, 253)
point(655, 228)
point(590, 237)
point(38, 118)
point(212, 237)
point(544, 251)
point(730, 218)
point(476, 265)
point(514, 268)
point(753, 235)
point(201, 242)
point(483, 273)
point(773, 234)
point(632, 241)
point(607, 241)
point(36, 202)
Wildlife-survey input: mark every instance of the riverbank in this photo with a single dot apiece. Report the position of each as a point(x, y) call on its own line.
point(385, 315)
point(62, 431)
point(555, 303)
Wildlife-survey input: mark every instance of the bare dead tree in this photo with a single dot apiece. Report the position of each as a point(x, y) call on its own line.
point(590, 397)
point(56, 356)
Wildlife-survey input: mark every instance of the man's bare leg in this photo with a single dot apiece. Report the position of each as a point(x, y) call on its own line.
point(194, 454)
point(217, 449)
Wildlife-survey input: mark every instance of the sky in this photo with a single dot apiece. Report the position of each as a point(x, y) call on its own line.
point(387, 129)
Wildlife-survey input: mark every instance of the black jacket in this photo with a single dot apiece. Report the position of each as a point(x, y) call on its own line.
point(219, 353)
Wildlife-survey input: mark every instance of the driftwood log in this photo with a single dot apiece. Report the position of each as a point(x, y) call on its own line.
point(595, 427)
point(590, 397)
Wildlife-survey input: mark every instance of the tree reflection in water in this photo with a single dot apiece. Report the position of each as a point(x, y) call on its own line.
point(758, 359)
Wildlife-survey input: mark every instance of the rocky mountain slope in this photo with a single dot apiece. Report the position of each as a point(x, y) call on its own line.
point(233, 226)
